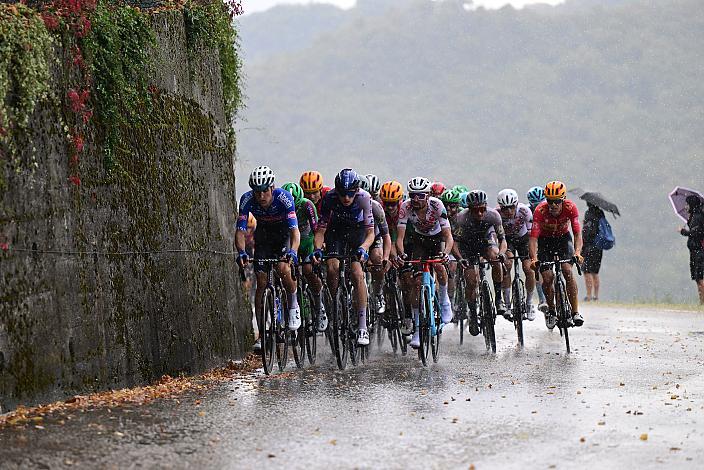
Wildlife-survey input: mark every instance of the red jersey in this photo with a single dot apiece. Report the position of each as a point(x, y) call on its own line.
point(545, 225)
point(323, 191)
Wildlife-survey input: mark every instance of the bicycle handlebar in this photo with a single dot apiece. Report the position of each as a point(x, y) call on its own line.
point(562, 261)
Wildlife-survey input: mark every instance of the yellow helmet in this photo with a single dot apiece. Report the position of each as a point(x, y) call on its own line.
point(311, 181)
point(391, 191)
point(555, 190)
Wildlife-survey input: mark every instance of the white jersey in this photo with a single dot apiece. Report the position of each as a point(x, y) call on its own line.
point(435, 217)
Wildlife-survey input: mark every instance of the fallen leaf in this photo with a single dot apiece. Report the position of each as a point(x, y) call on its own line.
point(333, 442)
point(644, 437)
point(582, 439)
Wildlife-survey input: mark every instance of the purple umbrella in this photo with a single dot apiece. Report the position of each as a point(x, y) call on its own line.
point(678, 198)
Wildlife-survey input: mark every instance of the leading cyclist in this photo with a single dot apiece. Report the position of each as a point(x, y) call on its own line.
point(550, 235)
point(276, 236)
point(347, 225)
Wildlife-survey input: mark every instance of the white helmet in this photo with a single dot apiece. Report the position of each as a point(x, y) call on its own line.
point(261, 178)
point(507, 197)
point(374, 183)
point(419, 185)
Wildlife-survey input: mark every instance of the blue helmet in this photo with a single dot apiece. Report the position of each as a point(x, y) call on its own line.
point(463, 200)
point(536, 195)
point(346, 180)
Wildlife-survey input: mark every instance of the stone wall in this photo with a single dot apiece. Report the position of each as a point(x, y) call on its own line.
point(120, 280)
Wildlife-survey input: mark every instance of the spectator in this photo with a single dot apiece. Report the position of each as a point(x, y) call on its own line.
point(592, 254)
point(694, 230)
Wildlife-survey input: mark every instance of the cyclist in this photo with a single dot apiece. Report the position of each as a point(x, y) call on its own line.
point(535, 196)
point(451, 201)
point(307, 217)
point(428, 217)
point(380, 250)
point(517, 220)
point(276, 236)
point(374, 186)
point(347, 224)
point(551, 234)
point(392, 196)
point(436, 189)
point(312, 184)
point(463, 199)
point(479, 233)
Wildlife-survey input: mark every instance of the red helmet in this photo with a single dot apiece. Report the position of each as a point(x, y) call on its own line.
point(437, 189)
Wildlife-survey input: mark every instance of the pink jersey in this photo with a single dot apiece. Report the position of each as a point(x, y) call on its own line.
point(435, 217)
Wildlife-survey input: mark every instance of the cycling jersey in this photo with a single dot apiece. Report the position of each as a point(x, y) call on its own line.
point(281, 211)
point(435, 217)
point(336, 215)
point(470, 230)
point(518, 225)
point(307, 218)
point(545, 225)
point(381, 228)
point(319, 204)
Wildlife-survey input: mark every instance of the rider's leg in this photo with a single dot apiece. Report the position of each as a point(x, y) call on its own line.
point(571, 282)
point(451, 280)
point(259, 294)
point(530, 282)
point(360, 293)
point(294, 311)
point(548, 288)
point(331, 276)
point(497, 275)
point(506, 281)
point(313, 280)
point(415, 301)
point(471, 276)
point(443, 296)
point(375, 255)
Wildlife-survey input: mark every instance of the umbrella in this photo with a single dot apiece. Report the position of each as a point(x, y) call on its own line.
point(678, 198)
point(600, 201)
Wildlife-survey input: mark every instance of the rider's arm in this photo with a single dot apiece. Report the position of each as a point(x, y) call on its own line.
point(369, 238)
point(534, 234)
point(242, 220)
point(446, 235)
point(295, 238)
point(577, 231)
point(533, 248)
point(501, 238)
point(387, 246)
point(400, 235)
point(240, 241)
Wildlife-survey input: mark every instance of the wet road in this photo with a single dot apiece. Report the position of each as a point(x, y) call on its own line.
point(631, 394)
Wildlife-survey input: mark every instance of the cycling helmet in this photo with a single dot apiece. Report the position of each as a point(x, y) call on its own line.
point(460, 189)
point(476, 198)
point(507, 197)
point(374, 183)
point(391, 191)
point(463, 199)
point(311, 181)
point(555, 190)
point(437, 188)
point(295, 191)
point(450, 197)
point(346, 180)
point(364, 183)
point(535, 195)
point(419, 185)
point(261, 178)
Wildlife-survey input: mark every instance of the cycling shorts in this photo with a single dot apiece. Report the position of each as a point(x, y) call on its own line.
point(270, 241)
point(476, 249)
point(518, 245)
point(549, 246)
point(305, 248)
point(343, 241)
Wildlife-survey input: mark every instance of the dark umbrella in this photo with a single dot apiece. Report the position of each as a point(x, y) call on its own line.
point(678, 198)
point(596, 199)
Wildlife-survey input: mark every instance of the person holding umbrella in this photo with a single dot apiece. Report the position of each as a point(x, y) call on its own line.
point(694, 231)
point(592, 253)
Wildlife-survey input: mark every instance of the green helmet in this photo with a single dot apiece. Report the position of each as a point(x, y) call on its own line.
point(295, 190)
point(459, 189)
point(450, 197)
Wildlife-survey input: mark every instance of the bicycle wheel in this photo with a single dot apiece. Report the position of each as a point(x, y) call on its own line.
point(563, 310)
point(400, 315)
point(488, 317)
point(435, 338)
point(424, 324)
point(339, 341)
point(282, 331)
point(311, 331)
point(518, 306)
point(267, 330)
point(297, 338)
point(351, 323)
point(461, 306)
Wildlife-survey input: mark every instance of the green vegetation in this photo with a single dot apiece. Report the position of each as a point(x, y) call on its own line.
point(607, 98)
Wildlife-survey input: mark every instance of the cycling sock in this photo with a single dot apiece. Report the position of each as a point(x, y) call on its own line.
point(541, 293)
point(443, 293)
point(363, 319)
point(529, 298)
point(293, 300)
point(507, 295)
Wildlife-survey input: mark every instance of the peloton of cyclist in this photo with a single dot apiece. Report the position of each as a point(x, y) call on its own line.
point(550, 235)
point(307, 216)
point(346, 226)
point(428, 217)
point(479, 233)
point(380, 250)
point(517, 220)
point(276, 236)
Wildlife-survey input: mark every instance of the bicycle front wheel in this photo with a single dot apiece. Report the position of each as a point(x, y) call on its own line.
point(424, 324)
point(267, 330)
point(311, 330)
point(435, 338)
point(488, 317)
point(518, 307)
point(282, 332)
point(564, 313)
point(339, 343)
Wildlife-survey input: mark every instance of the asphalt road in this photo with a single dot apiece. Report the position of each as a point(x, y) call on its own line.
point(631, 395)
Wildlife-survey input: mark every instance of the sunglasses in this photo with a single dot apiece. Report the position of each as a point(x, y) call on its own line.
point(261, 189)
point(391, 205)
point(505, 208)
point(554, 202)
point(478, 209)
point(418, 196)
point(349, 193)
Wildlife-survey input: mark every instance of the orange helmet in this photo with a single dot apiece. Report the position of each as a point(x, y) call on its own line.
point(311, 181)
point(555, 190)
point(391, 191)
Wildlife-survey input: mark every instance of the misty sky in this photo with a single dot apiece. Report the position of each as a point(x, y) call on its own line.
point(252, 6)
